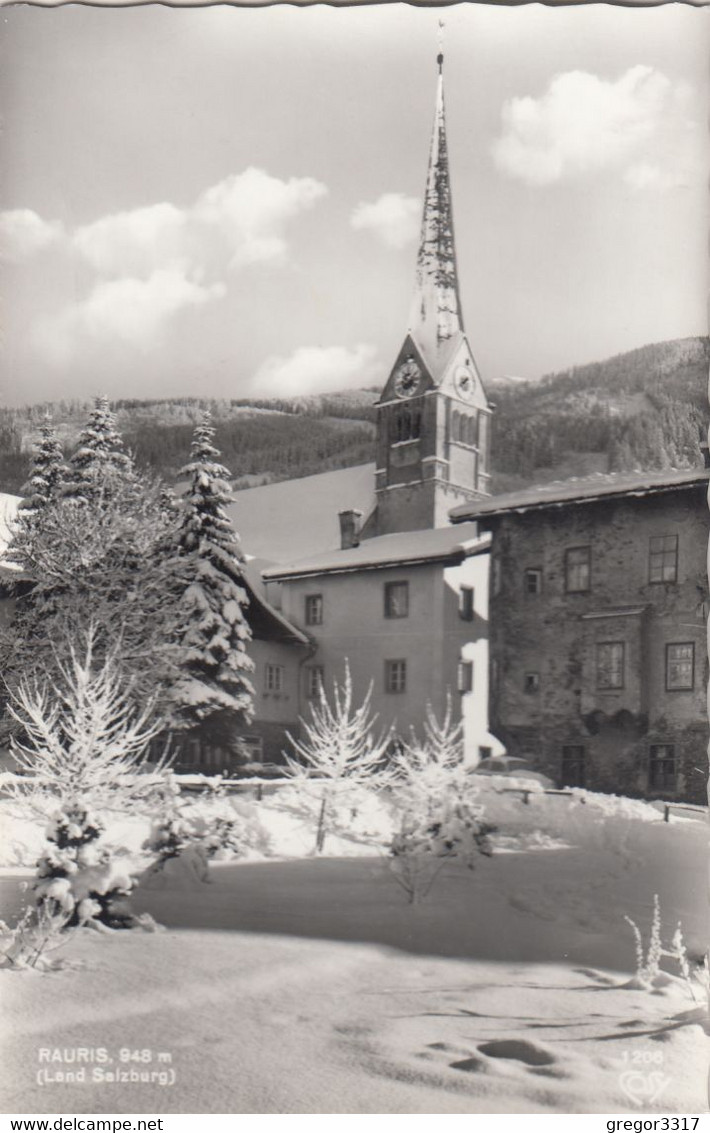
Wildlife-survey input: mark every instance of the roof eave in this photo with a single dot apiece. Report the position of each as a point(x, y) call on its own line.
point(453, 557)
point(461, 515)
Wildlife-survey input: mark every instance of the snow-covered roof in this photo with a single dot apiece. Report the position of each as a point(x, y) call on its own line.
point(266, 622)
point(580, 491)
point(448, 545)
point(294, 518)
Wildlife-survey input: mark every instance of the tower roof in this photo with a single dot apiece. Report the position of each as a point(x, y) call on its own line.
point(436, 321)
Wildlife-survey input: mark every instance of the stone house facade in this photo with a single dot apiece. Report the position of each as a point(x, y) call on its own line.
point(598, 607)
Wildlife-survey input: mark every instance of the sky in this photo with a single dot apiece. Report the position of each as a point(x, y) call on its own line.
point(225, 202)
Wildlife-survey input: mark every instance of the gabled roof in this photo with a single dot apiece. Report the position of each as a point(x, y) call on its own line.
point(561, 493)
point(265, 621)
point(446, 545)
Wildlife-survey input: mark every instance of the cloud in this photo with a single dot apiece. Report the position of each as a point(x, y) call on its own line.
point(135, 242)
point(316, 369)
point(251, 209)
point(238, 221)
point(23, 233)
point(393, 218)
point(130, 311)
point(153, 261)
point(584, 124)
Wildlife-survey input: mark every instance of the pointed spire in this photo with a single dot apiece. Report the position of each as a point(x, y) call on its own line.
point(435, 317)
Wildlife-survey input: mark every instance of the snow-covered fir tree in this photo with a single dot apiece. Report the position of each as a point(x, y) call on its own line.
point(47, 476)
point(100, 458)
point(211, 633)
point(48, 470)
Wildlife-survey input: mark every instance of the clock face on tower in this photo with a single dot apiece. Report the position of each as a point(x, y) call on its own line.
point(465, 383)
point(407, 379)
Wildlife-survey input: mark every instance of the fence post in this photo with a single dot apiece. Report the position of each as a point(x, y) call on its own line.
point(666, 813)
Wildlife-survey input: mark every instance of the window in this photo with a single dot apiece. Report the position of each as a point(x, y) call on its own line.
point(466, 603)
point(274, 678)
point(314, 681)
point(573, 766)
point(680, 666)
point(465, 676)
point(396, 599)
point(531, 683)
point(471, 436)
point(496, 580)
point(663, 558)
point(533, 581)
point(610, 664)
point(254, 748)
point(395, 676)
point(314, 609)
point(578, 562)
point(661, 767)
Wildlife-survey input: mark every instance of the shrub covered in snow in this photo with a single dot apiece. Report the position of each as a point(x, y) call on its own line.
point(648, 975)
point(217, 826)
point(440, 812)
point(82, 750)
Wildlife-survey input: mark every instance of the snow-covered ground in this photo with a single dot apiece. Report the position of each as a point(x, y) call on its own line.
point(295, 984)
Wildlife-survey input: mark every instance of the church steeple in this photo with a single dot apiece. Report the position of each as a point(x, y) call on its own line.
point(433, 418)
point(435, 320)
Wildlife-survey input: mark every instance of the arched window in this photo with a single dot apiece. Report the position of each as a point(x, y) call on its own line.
point(456, 427)
point(471, 436)
point(416, 424)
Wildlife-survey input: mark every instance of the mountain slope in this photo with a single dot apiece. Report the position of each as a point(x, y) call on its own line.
point(643, 409)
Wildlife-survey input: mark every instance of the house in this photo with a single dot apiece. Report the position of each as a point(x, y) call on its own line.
point(598, 610)
point(409, 612)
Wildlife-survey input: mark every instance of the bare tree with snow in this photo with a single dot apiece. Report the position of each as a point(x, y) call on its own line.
point(338, 750)
point(440, 815)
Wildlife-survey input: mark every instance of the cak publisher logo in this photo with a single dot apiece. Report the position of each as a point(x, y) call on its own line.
point(643, 1087)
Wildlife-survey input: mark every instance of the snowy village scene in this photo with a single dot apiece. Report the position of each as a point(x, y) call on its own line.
point(353, 537)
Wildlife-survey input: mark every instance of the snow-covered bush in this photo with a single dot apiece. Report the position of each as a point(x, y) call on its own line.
point(338, 754)
point(212, 823)
point(648, 974)
point(82, 750)
point(439, 807)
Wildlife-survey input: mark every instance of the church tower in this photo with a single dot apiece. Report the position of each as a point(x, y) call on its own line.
point(433, 417)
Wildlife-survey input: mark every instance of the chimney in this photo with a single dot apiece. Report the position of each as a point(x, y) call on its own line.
point(350, 523)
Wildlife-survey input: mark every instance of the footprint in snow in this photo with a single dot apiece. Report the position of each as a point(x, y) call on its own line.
point(519, 1049)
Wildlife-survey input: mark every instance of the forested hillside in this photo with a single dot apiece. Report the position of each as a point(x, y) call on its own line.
point(644, 409)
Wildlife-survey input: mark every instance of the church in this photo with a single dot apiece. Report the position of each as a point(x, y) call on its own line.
point(364, 563)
